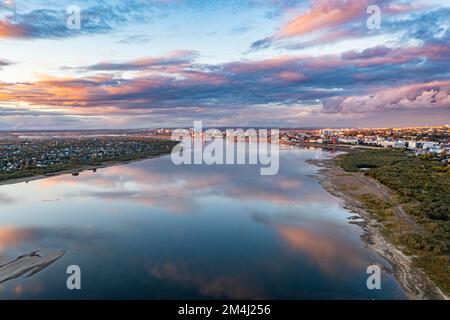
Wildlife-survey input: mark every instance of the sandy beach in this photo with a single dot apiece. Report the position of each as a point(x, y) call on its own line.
point(336, 181)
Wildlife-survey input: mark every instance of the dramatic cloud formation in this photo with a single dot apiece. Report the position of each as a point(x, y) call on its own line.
point(331, 21)
point(287, 80)
point(421, 96)
point(176, 80)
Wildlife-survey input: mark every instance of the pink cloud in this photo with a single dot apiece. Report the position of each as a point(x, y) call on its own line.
point(291, 76)
point(432, 95)
point(324, 14)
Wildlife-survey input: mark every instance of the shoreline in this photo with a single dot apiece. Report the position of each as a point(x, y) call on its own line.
point(338, 147)
point(79, 170)
point(416, 284)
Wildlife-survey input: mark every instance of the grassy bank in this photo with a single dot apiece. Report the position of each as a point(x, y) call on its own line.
point(417, 215)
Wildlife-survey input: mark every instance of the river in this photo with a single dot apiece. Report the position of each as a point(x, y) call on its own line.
point(155, 230)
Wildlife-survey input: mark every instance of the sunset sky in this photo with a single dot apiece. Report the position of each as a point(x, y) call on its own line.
point(166, 63)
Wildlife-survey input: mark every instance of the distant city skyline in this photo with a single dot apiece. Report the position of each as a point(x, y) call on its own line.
point(255, 63)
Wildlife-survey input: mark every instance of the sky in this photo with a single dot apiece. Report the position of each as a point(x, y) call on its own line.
point(255, 63)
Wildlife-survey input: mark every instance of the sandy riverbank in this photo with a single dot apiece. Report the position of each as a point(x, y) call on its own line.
point(76, 170)
point(348, 186)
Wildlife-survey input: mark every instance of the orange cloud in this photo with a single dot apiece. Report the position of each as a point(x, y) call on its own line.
point(9, 30)
point(324, 14)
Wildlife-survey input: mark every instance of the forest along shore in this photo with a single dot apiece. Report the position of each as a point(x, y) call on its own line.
point(388, 227)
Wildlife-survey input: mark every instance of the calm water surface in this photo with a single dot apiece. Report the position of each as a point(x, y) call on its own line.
point(154, 230)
